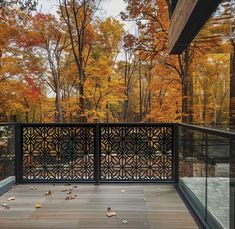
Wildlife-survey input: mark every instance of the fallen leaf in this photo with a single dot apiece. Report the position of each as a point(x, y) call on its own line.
point(38, 205)
point(11, 198)
point(70, 197)
point(110, 213)
point(48, 193)
point(73, 197)
point(6, 206)
point(33, 188)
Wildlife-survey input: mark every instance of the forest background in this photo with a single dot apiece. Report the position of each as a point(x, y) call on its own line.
point(76, 66)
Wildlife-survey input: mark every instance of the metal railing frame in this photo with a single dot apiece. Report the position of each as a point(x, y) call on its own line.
point(207, 131)
point(97, 141)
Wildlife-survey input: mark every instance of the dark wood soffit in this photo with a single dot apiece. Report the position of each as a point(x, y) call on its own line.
point(188, 18)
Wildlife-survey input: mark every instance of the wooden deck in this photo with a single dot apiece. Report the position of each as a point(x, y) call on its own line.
point(142, 206)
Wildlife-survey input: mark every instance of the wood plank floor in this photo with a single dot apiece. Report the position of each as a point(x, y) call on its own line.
point(142, 206)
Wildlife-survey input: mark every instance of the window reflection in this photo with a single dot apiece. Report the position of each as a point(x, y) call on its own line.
point(212, 69)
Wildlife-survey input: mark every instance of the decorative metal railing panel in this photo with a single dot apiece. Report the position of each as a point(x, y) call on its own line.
point(96, 152)
point(57, 153)
point(136, 153)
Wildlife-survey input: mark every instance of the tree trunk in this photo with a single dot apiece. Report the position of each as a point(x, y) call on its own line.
point(34, 113)
point(81, 117)
point(59, 114)
point(140, 92)
point(125, 108)
point(204, 105)
point(187, 89)
point(232, 88)
point(77, 15)
point(149, 90)
point(27, 110)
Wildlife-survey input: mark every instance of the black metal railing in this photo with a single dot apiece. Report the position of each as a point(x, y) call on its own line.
point(57, 153)
point(96, 153)
point(200, 160)
point(135, 152)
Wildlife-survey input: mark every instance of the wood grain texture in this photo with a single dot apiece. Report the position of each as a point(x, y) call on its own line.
point(187, 20)
point(180, 17)
point(143, 206)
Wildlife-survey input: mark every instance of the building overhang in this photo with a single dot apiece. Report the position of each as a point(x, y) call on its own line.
point(173, 5)
point(187, 19)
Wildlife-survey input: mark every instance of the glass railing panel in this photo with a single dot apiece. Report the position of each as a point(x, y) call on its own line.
point(192, 167)
point(218, 191)
point(7, 151)
point(232, 184)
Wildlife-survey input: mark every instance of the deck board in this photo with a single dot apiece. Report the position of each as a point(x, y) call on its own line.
point(143, 206)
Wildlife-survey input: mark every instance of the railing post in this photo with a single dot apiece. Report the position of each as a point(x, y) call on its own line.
point(232, 183)
point(97, 154)
point(176, 140)
point(18, 152)
point(206, 181)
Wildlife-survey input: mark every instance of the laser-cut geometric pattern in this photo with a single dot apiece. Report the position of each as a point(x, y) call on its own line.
point(58, 153)
point(136, 153)
point(126, 152)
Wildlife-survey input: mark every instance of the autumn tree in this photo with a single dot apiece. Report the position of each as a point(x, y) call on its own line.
point(28, 5)
point(18, 62)
point(103, 86)
point(212, 65)
point(129, 66)
point(54, 43)
point(72, 64)
point(77, 16)
point(152, 20)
